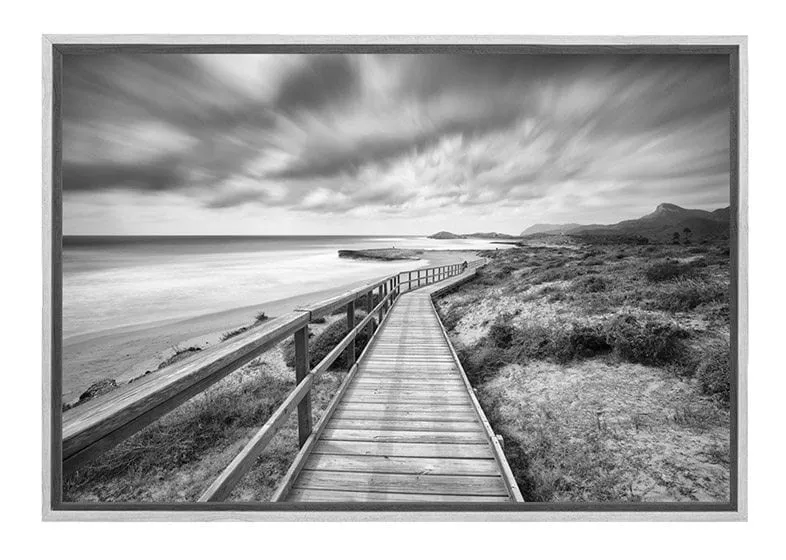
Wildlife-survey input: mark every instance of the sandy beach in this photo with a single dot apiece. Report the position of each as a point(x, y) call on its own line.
point(127, 352)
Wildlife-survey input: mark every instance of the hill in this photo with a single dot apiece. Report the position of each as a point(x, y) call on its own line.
point(549, 228)
point(667, 221)
point(445, 235)
point(661, 225)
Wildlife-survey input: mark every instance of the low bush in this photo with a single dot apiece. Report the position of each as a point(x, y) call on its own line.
point(685, 295)
point(321, 344)
point(502, 334)
point(259, 318)
point(555, 274)
point(714, 371)
point(480, 361)
point(451, 317)
point(645, 341)
point(667, 270)
point(590, 284)
point(580, 341)
point(511, 344)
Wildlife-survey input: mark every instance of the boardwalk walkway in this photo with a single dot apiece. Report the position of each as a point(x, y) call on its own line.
point(408, 427)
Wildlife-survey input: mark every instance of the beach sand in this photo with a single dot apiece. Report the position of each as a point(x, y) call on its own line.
point(127, 352)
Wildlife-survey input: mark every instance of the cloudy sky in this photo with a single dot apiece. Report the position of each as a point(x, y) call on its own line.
point(381, 144)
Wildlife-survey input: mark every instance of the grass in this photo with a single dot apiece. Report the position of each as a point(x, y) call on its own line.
point(667, 270)
point(605, 367)
point(176, 458)
point(259, 318)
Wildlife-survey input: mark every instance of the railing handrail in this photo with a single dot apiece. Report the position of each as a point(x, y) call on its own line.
point(105, 421)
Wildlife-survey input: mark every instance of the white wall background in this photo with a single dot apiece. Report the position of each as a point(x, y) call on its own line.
point(20, 199)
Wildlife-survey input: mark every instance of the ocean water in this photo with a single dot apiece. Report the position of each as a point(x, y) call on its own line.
point(111, 282)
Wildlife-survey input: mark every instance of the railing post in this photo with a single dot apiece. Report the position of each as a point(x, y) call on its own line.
point(409, 283)
point(302, 367)
point(381, 309)
point(369, 309)
point(350, 326)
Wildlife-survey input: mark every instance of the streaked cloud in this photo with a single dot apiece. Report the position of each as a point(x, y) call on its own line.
point(401, 138)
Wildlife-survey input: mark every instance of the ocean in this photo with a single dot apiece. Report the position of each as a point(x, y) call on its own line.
point(119, 281)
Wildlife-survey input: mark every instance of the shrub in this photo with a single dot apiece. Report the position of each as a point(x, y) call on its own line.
point(502, 334)
point(504, 271)
point(714, 371)
point(685, 295)
point(648, 342)
point(451, 317)
point(580, 341)
point(480, 361)
point(232, 334)
point(555, 273)
point(591, 284)
point(260, 317)
point(667, 270)
point(321, 345)
point(545, 342)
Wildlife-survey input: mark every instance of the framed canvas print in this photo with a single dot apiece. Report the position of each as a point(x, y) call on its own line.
point(417, 278)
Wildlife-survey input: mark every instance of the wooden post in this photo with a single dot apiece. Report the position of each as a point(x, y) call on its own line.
point(381, 309)
point(369, 308)
point(409, 284)
point(301, 370)
point(418, 278)
point(350, 326)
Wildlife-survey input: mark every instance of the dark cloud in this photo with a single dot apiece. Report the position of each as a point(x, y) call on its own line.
point(396, 133)
point(323, 80)
point(162, 175)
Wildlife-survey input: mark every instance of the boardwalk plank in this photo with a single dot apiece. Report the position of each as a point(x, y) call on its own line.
point(311, 495)
point(471, 425)
point(406, 465)
point(407, 483)
point(466, 451)
point(403, 436)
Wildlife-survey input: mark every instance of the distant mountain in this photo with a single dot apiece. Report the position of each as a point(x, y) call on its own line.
point(665, 221)
point(660, 225)
point(480, 235)
point(549, 228)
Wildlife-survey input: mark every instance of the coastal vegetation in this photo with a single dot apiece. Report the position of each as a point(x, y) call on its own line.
point(605, 367)
point(259, 318)
point(177, 457)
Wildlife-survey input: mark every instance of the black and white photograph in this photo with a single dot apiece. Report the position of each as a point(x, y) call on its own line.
point(444, 278)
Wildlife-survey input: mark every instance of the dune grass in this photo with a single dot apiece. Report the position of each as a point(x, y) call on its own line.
point(605, 367)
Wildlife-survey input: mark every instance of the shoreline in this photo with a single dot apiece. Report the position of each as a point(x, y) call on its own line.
point(125, 352)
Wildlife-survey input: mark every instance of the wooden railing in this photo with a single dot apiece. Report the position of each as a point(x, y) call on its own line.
point(100, 424)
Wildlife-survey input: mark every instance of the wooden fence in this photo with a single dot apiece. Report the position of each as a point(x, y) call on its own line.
point(102, 423)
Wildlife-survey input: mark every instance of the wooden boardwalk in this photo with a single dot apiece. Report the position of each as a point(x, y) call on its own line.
point(408, 427)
